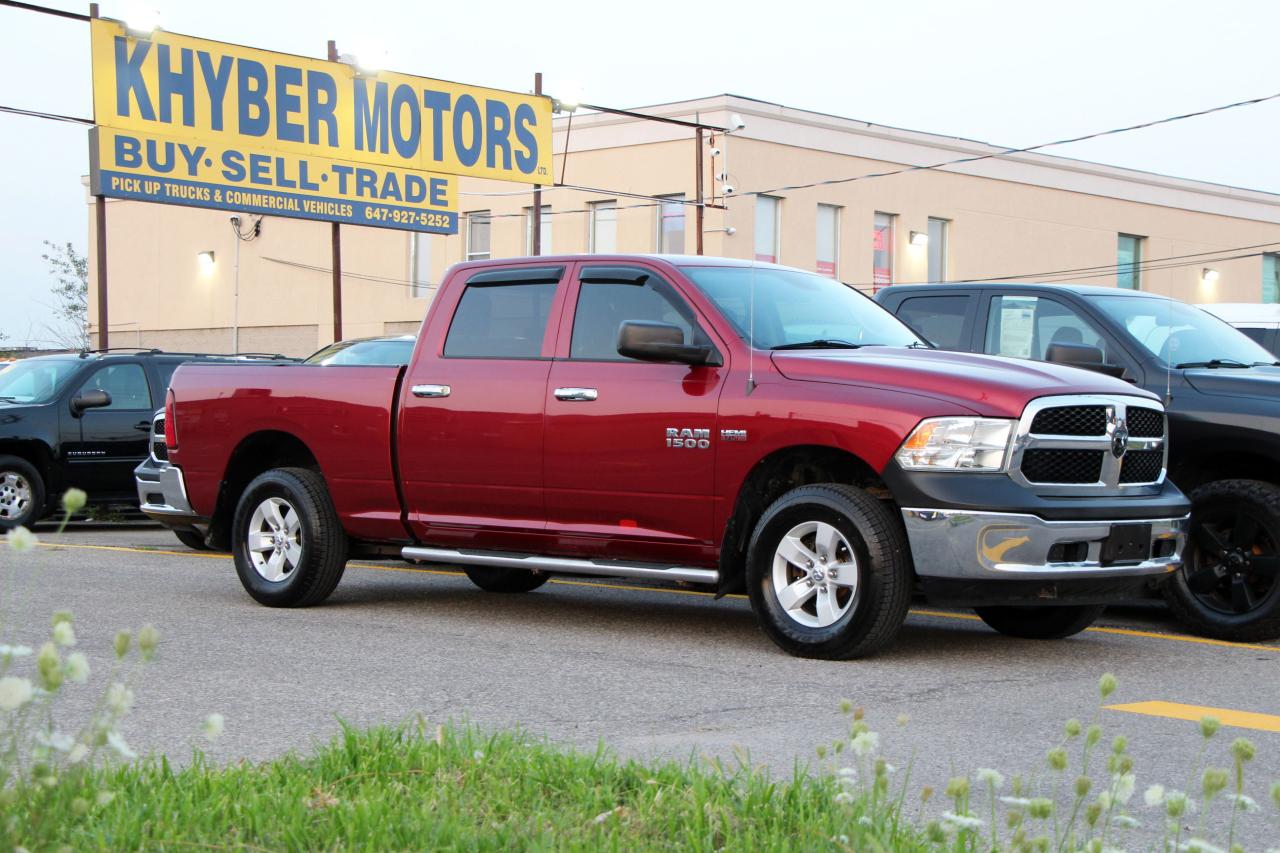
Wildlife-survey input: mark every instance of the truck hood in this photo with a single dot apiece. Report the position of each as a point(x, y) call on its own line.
point(1257, 382)
point(989, 385)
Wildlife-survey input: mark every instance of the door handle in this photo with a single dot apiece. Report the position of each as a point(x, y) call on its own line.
point(144, 426)
point(576, 395)
point(431, 390)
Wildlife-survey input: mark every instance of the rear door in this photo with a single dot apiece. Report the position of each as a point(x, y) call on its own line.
point(471, 419)
point(112, 440)
point(630, 445)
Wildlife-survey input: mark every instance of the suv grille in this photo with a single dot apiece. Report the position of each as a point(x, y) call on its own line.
point(1145, 423)
point(158, 448)
point(1062, 466)
point(1071, 420)
point(1142, 466)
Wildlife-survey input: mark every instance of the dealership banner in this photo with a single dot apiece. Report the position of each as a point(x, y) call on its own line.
point(189, 121)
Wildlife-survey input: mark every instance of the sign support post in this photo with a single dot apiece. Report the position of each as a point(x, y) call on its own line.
point(100, 234)
point(335, 262)
point(535, 226)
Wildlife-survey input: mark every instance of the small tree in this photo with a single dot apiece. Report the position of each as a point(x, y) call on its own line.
point(70, 328)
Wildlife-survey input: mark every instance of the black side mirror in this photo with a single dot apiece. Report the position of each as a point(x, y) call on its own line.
point(89, 400)
point(648, 341)
point(1083, 356)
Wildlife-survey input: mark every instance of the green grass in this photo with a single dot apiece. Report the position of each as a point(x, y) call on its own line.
point(452, 789)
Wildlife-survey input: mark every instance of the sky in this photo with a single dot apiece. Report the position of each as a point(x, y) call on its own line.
point(1008, 72)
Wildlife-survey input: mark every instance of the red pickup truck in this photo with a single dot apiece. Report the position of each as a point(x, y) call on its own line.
point(705, 421)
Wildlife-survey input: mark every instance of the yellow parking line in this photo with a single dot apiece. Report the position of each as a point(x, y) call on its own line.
point(1178, 711)
point(937, 614)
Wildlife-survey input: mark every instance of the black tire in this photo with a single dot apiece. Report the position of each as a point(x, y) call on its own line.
point(193, 539)
point(496, 579)
point(873, 540)
point(319, 535)
point(1041, 622)
point(1229, 585)
point(21, 493)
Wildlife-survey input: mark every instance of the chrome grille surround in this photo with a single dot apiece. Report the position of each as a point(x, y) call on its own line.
point(1110, 481)
point(159, 450)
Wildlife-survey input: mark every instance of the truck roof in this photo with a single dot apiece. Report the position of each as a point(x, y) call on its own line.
point(1082, 289)
point(674, 260)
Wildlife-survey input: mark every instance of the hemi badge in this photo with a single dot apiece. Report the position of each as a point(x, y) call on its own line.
point(733, 435)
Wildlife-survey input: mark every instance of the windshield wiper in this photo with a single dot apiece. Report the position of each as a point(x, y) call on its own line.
point(822, 343)
point(1213, 362)
point(9, 399)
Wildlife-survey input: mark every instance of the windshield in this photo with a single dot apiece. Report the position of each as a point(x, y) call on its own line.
point(36, 380)
point(793, 308)
point(1182, 335)
point(389, 352)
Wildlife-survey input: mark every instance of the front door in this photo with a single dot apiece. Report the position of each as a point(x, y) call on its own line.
point(471, 420)
point(630, 445)
point(111, 440)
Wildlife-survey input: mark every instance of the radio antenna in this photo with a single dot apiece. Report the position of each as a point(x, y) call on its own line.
point(751, 334)
point(1168, 362)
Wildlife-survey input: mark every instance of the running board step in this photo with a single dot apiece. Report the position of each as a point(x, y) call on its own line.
point(563, 565)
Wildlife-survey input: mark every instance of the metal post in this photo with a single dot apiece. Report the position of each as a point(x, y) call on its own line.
point(336, 240)
point(698, 187)
point(235, 293)
point(100, 232)
point(535, 225)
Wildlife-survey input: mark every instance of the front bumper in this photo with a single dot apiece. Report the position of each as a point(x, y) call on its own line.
point(162, 495)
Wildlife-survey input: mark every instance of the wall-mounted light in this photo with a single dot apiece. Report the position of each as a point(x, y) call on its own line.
point(728, 229)
point(363, 67)
point(735, 123)
point(206, 260)
point(919, 238)
point(1209, 275)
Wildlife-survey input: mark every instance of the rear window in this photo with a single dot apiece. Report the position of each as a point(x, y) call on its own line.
point(500, 320)
point(940, 320)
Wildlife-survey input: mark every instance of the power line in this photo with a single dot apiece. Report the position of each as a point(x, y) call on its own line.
point(51, 116)
point(1111, 268)
point(45, 10)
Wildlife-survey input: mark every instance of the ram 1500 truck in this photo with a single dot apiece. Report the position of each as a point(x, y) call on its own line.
point(706, 421)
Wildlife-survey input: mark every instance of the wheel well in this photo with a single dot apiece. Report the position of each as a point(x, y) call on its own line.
point(37, 454)
point(1198, 470)
point(773, 476)
point(259, 452)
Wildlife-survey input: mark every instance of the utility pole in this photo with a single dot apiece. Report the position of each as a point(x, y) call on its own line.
point(697, 181)
point(336, 241)
point(100, 236)
point(535, 225)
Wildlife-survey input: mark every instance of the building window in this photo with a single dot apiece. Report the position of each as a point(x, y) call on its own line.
point(671, 225)
point(882, 250)
point(767, 212)
point(1271, 278)
point(1129, 261)
point(938, 233)
point(419, 265)
point(544, 243)
point(479, 225)
point(828, 240)
point(604, 227)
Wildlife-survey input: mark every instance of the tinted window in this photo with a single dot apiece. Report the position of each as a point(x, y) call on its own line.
point(940, 319)
point(384, 352)
point(37, 380)
point(1254, 333)
point(126, 383)
point(166, 368)
point(1180, 334)
point(500, 321)
point(604, 306)
point(1026, 326)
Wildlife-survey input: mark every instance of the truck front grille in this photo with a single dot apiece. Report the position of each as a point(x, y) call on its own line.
point(159, 450)
point(1071, 420)
point(1142, 466)
point(1089, 444)
point(1145, 423)
point(1063, 466)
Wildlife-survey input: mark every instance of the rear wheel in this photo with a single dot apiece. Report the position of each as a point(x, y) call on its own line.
point(829, 573)
point(1041, 622)
point(1229, 584)
point(21, 493)
point(495, 579)
point(289, 547)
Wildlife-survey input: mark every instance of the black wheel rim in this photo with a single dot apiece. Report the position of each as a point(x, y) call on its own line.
point(1232, 562)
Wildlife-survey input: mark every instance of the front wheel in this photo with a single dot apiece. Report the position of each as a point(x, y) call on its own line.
point(829, 573)
point(1229, 584)
point(21, 493)
point(1041, 622)
point(289, 547)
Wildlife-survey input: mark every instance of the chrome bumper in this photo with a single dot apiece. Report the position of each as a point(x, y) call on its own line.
point(166, 484)
point(959, 544)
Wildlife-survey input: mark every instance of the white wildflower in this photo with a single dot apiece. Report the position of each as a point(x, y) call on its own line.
point(56, 740)
point(1016, 802)
point(864, 744)
point(1127, 822)
point(64, 634)
point(104, 798)
point(1125, 783)
point(78, 753)
point(7, 651)
point(14, 692)
point(847, 773)
point(865, 820)
point(1154, 795)
point(964, 823)
point(1244, 802)
point(989, 777)
point(21, 539)
point(116, 742)
point(77, 667)
point(844, 798)
point(1105, 800)
point(211, 728)
point(478, 755)
point(119, 699)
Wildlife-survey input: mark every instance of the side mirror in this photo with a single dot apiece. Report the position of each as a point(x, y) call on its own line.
point(648, 341)
point(89, 400)
point(1083, 356)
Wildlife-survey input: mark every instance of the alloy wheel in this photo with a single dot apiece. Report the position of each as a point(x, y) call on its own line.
point(15, 496)
point(274, 541)
point(815, 574)
point(1233, 564)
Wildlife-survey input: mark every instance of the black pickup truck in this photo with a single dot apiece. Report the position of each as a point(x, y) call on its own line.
point(1222, 396)
point(82, 420)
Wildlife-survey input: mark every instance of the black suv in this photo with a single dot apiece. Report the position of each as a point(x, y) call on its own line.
point(1222, 394)
point(79, 420)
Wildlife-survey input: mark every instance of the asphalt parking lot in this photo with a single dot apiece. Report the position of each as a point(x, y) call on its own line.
point(649, 672)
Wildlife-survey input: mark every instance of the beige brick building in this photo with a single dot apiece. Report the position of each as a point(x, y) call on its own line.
point(1024, 215)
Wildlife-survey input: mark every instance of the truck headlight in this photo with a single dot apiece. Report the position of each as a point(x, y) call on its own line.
point(957, 444)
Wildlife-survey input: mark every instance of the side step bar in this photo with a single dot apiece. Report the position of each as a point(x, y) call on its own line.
point(563, 565)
